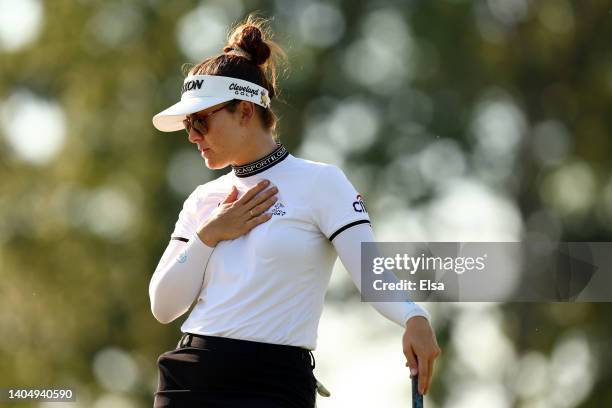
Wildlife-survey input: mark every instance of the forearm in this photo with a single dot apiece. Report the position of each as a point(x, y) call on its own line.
point(348, 247)
point(177, 280)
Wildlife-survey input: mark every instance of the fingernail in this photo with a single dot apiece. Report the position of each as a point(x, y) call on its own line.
point(265, 182)
point(413, 371)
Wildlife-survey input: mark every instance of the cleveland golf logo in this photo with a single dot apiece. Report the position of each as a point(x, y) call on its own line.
point(359, 205)
point(193, 84)
point(243, 90)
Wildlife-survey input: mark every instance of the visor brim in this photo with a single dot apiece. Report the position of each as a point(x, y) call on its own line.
point(171, 119)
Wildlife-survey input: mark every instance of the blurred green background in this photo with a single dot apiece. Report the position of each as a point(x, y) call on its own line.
point(457, 120)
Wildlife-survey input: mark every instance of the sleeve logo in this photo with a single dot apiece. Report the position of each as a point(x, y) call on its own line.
point(359, 205)
point(182, 257)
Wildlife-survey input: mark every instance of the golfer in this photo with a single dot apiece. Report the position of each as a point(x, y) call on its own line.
point(254, 248)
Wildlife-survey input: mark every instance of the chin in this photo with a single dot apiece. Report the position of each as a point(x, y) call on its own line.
point(215, 164)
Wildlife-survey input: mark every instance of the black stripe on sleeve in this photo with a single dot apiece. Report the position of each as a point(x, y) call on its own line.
point(180, 239)
point(352, 224)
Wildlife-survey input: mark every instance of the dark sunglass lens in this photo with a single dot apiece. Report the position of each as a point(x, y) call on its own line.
point(200, 126)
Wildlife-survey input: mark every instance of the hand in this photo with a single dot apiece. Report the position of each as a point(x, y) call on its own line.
point(233, 218)
point(421, 349)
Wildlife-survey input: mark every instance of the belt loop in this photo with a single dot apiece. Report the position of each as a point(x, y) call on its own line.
point(184, 340)
point(313, 362)
point(178, 345)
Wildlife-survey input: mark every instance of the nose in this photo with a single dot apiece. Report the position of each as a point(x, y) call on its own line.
point(194, 136)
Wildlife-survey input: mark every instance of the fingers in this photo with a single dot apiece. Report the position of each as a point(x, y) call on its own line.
point(252, 192)
point(260, 198)
point(421, 365)
point(421, 349)
point(412, 362)
point(258, 209)
point(426, 365)
point(430, 368)
point(424, 374)
point(231, 196)
point(255, 221)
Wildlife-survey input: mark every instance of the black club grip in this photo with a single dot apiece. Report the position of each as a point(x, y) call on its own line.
point(417, 399)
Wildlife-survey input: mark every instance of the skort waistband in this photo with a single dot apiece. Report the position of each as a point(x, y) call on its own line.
point(226, 344)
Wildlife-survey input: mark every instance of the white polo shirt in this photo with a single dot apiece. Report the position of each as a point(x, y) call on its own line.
point(269, 284)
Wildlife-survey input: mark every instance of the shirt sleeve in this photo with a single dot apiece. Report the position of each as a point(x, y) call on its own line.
point(348, 248)
point(186, 225)
point(337, 204)
point(178, 278)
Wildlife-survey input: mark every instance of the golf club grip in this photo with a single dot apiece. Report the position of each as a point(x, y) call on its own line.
point(417, 399)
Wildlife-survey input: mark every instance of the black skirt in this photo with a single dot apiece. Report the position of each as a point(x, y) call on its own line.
point(209, 371)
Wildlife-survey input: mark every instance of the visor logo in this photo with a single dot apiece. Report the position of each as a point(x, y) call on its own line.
point(359, 205)
point(265, 101)
point(243, 90)
point(193, 84)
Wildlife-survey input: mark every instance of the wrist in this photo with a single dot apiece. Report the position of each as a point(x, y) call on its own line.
point(207, 237)
point(411, 320)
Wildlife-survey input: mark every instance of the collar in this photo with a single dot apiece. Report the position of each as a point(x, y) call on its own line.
point(264, 163)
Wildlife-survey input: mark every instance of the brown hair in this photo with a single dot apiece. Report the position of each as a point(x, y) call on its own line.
point(254, 37)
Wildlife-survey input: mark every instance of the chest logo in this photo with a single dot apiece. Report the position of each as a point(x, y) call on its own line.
point(278, 209)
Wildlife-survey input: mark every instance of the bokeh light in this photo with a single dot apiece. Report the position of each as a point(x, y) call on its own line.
point(35, 128)
point(20, 23)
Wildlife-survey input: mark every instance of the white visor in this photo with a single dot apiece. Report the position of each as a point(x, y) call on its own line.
point(203, 91)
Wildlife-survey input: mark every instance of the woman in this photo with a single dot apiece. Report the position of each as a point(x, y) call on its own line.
point(255, 247)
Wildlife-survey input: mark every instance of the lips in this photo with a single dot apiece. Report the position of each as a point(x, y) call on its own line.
point(204, 151)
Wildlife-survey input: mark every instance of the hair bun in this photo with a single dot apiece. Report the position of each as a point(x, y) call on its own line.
point(250, 39)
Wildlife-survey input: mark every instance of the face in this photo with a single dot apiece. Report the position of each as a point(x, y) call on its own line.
point(222, 137)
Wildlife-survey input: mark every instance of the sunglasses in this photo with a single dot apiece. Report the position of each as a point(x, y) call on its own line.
point(198, 122)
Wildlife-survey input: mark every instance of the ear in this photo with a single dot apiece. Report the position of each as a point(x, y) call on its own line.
point(247, 111)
